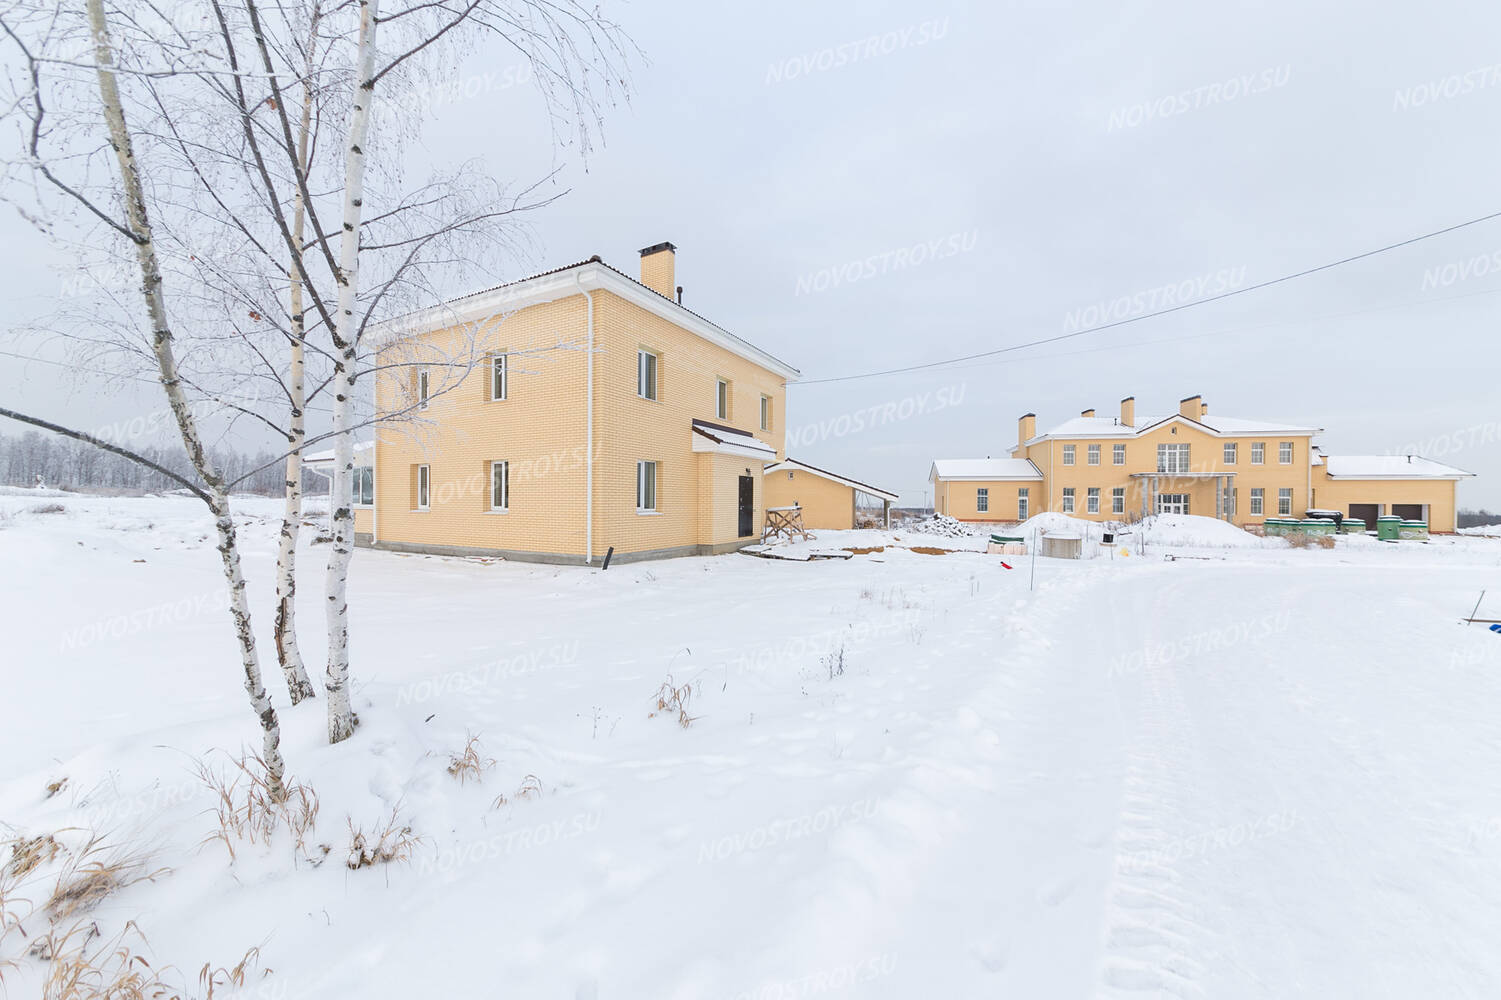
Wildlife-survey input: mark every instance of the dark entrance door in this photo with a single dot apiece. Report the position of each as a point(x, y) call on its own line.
point(747, 506)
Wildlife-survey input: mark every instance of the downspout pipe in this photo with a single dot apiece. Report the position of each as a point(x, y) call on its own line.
point(588, 422)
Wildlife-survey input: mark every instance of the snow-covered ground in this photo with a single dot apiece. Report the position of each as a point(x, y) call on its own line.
point(1258, 772)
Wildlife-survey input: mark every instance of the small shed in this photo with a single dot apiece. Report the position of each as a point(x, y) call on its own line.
point(828, 500)
point(1062, 546)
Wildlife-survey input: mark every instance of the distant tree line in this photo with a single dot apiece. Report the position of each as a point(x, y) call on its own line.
point(1475, 518)
point(73, 465)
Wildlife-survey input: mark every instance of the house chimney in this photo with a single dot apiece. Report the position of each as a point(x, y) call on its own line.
point(1192, 407)
point(1087, 413)
point(658, 266)
point(1128, 411)
point(1026, 428)
point(1203, 409)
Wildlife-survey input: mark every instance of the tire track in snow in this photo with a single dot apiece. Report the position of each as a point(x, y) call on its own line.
point(1153, 931)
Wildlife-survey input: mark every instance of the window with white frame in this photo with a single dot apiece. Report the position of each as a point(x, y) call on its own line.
point(1258, 452)
point(982, 499)
point(500, 377)
point(1229, 452)
point(1092, 500)
point(364, 486)
point(1285, 501)
point(1068, 454)
point(1068, 499)
point(1093, 455)
point(1118, 454)
point(721, 399)
point(766, 413)
point(423, 383)
point(1118, 500)
point(1021, 503)
point(646, 485)
point(646, 374)
point(1258, 501)
point(500, 486)
point(1285, 453)
point(1172, 458)
point(424, 484)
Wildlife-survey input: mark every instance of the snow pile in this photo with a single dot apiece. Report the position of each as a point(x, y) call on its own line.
point(32, 491)
point(1193, 531)
point(1483, 530)
point(1053, 523)
point(943, 526)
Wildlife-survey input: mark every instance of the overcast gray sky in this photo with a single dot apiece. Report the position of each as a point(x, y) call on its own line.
point(988, 174)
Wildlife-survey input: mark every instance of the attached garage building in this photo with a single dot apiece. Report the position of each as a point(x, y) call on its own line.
point(987, 490)
point(1371, 486)
point(828, 500)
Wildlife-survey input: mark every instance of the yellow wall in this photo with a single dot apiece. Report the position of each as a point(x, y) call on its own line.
point(958, 499)
point(825, 503)
point(1339, 494)
point(540, 429)
point(1206, 455)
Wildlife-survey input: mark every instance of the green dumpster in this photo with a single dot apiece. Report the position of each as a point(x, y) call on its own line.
point(1352, 526)
point(1413, 530)
point(1316, 526)
point(1388, 527)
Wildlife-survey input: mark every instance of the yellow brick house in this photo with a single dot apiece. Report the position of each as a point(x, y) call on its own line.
point(1118, 468)
point(573, 412)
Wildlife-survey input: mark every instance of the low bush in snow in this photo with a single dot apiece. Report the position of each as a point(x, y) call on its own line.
point(469, 763)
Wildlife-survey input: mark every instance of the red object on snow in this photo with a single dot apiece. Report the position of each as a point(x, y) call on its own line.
point(1006, 564)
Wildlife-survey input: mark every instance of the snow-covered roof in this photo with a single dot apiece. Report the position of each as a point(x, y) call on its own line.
point(853, 484)
point(1390, 467)
point(327, 457)
point(982, 469)
point(1111, 427)
point(729, 441)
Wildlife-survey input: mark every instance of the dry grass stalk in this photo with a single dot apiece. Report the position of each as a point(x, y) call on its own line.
point(28, 853)
point(211, 980)
point(112, 970)
point(1302, 540)
point(673, 699)
point(94, 873)
point(469, 764)
point(248, 811)
point(390, 843)
point(531, 788)
point(56, 786)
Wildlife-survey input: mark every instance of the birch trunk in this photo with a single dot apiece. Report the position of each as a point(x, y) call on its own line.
point(162, 346)
point(298, 684)
point(340, 717)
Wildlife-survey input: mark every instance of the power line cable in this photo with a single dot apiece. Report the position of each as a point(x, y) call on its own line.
point(1160, 312)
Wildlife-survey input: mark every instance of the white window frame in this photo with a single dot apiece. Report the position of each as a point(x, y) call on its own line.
point(1258, 501)
point(1258, 452)
point(1022, 503)
point(648, 374)
point(982, 499)
point(1118, 500)
point(722, 399)
point(363, 474)
point(1172, 459)
point(1284, 453)
point(424, 388)
point(766, 414)
point(1092, 500)
point(1068, 454)
point(1231, 452)
point(1118, 454)
point(1284, 501)
point(500, 500)
point(1092, 454)
point(500, 377)
point(1068, 499)
point(424, 487)
point(647, 481)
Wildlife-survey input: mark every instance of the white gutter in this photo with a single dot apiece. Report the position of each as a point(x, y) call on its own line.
point(374, 476)
point(588, 424)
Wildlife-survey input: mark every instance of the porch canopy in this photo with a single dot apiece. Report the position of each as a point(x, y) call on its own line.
point(1152, 482)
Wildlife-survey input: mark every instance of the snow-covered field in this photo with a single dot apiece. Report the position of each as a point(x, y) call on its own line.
point(1258, 772)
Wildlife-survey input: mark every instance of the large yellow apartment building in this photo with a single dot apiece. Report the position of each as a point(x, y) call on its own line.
point(1121, 468)
point(573, 412)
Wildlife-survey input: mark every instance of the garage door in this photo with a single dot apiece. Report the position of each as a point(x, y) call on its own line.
point(1408, 511)
point(1367, 512)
